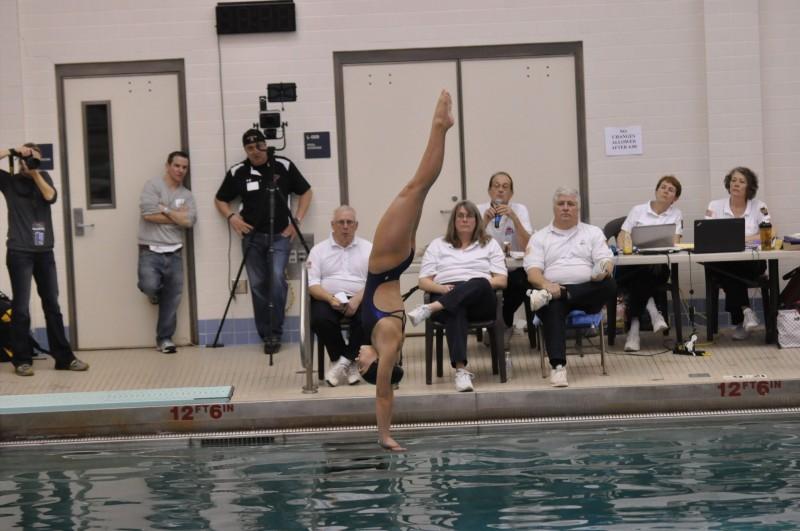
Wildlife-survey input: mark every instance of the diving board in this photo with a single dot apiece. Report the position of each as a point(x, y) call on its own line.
point(87, 401)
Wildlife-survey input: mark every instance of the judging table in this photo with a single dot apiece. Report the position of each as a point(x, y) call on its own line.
point(673, 260)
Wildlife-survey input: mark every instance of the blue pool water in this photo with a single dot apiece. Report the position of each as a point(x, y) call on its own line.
point(733, 473)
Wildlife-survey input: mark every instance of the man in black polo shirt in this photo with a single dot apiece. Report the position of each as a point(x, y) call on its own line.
point(249, 180)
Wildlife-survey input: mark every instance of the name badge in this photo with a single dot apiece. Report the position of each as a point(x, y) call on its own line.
point(38, 233)
point(252, 186)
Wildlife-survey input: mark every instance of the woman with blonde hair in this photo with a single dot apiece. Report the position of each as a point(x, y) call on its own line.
point(461, 270)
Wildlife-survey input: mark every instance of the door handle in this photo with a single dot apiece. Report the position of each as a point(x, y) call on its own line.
point(449, 210)
point(77, 216)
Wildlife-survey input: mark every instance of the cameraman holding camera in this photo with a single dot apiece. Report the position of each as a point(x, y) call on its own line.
point(29, 194)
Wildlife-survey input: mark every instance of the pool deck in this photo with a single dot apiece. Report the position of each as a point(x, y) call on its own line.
point(736, 375)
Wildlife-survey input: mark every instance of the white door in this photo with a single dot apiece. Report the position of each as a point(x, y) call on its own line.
point(388, 111)
point(520, 116)
point(119, 130)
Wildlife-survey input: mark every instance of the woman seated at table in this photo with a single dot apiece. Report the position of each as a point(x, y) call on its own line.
point(644, 281)
point(742, 185)
point(461, 270)
point(510, 225)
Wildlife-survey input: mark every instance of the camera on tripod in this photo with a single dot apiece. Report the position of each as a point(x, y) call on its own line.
point(269, 120)
point(30, 161)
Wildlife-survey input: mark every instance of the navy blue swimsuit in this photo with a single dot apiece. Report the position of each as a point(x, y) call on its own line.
point(370, 315)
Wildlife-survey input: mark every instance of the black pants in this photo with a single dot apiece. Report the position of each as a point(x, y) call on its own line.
point(589, 297)
point(22, 267)
point(514, 294)
point(473, 300)
point(641, 283)
point(735, 290)
point(325, 323)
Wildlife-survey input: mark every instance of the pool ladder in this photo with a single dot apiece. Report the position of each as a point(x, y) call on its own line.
point(306, 337)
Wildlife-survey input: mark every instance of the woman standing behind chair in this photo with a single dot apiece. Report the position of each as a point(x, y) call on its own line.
point(510, 225)
point(461, 270)
point(643, 282)
point(742, 185)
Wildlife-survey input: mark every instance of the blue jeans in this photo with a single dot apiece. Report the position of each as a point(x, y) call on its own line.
point(22, 267)
point(258, 272)
point(161, 275)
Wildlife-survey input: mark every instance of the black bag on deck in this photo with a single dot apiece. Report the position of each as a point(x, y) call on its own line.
point(790, 296)
point(5, 331)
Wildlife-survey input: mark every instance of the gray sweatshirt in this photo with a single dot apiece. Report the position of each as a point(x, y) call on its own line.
point(155, 193)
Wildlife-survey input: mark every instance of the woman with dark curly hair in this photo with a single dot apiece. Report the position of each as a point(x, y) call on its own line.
point(742, 185)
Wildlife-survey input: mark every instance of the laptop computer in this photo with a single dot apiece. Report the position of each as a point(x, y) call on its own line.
point(654, 238)
point(724, 235)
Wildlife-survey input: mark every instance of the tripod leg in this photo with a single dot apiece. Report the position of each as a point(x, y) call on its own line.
point(215, 343)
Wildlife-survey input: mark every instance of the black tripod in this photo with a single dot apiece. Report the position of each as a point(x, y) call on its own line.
point(271, 345)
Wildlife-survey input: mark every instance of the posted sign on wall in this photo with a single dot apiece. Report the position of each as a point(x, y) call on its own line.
point(624, 140)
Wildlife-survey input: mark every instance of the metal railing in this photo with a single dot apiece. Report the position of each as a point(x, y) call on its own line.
point(306, 338)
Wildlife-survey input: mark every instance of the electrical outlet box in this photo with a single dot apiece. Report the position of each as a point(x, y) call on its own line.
point(241, 286)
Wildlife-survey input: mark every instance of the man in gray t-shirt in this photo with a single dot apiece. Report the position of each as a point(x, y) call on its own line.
point(167, 210)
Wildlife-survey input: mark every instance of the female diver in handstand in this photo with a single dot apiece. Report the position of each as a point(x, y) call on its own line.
point(392, 252)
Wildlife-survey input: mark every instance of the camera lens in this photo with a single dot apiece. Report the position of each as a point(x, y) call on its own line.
point(31, 162)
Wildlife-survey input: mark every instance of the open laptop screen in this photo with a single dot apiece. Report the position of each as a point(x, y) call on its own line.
point(649, 236)
point(723, 235)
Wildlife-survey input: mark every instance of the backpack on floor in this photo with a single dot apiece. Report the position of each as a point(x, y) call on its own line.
point(6, 354)
point(790, 296)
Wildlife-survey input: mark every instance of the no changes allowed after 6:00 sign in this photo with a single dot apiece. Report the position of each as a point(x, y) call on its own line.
point(624, 140)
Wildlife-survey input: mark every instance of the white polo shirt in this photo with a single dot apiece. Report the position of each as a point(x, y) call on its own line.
point(338, 268)
point(507, 231)
point(644, 214)
point(754, 213)
point(566, 256)
point(446, 264)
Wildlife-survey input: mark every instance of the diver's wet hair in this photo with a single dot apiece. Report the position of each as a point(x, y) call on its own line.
point(371, 374)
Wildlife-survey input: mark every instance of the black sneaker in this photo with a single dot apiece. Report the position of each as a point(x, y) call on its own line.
point(272, 345)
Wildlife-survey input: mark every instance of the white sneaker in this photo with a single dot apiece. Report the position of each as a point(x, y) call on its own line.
point(659, 324)
point(419, 314)
point(598, 270)
point(507, 338)
point(166, 346)
point(338, 372)
point(740, 333)
point(558, 376)
point(750, 320)
point(353, 376)
point(539, 298)
point(632, 343)
point(463, 380)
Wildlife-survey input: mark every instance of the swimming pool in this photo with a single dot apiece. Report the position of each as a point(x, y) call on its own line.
point(707, 472)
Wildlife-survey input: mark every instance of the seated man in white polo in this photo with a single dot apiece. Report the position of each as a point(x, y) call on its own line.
point(569, 265)
point(337, 272)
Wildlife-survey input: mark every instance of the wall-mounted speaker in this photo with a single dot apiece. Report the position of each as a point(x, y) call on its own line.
point(255, 17)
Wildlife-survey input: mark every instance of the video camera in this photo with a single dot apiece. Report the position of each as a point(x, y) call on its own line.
point(269, 120)
point(30, 161)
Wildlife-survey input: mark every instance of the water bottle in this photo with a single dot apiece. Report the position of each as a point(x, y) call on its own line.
point(765, 233)
point(627, 243)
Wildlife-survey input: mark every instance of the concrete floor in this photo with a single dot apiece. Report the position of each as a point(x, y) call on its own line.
point(735, 375)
